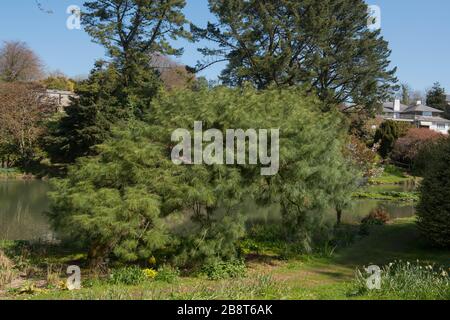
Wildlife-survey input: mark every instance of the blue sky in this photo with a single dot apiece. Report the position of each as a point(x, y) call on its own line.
point(418, 32)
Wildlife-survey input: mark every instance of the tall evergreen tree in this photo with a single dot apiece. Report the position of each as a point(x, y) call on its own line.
point(88, 119)
point(386, 135)
point(323, 44)
point(133, 30)
point(437, 99)
point(122, 88)
point(405, 97)
point(116, 203)
point(434, 207)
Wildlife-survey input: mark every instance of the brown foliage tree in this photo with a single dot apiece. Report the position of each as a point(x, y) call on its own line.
point(19, 63)
point(408, 147)
point(172, 74)
point(364, 158)
point(23, 109)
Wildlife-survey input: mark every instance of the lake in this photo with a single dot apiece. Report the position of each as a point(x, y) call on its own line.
point(22, 210)
point(23, 205)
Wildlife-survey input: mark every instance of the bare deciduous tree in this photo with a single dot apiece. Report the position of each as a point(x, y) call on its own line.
point(19, 63)
point(173, 75)
point(23, 109)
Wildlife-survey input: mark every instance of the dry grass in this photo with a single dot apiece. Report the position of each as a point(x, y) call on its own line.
point(54, 273)
point(6, 270)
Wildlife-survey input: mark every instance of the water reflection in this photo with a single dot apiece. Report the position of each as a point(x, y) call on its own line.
point(23, 203)
point(361, 208)
point(354, 214)
point(22, 207)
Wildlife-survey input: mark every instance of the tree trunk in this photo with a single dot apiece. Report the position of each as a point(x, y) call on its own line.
point(339, 216)
point(97, 255)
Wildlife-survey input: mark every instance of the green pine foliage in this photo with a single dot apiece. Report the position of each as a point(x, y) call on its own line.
point(386, 135)
point(101, 102)
point(436, 98)
point(121, 202)
point(132, 32)
point(434, 207)
point(111, 203)
point(324, 45)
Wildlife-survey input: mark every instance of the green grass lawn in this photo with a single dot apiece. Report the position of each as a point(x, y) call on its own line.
point(11, 173)
point(393, 175)
point(395, 241)
point(305, 277)
point(388, 196)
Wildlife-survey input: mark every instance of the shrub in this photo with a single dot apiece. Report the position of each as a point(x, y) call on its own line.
point(150, 273)
point(361, 156)
point(167, 274)
point(263, 240)
point(116, 203)
point(6, 270)
point(433, 209)
point(377, 217)
point(386, 136)
point(428, 153)
point(407, 148)
point(405, 280)
point(128, 276)
point(223, 270)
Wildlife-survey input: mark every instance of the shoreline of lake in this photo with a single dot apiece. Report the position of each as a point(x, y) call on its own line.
point(24, 202)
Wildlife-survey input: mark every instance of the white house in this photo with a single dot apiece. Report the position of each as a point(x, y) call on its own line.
point(419, 115)
point(62, 98)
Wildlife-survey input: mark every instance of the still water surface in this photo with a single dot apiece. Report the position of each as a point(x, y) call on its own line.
point(23, 205)
point(22, 210)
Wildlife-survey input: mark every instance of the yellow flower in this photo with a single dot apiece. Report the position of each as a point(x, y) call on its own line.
point(152, 260)
point(150, 273)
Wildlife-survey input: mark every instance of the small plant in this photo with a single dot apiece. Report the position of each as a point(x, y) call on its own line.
point(167, 274)
point(152, 261)
point(150, 273)
point(377, 217)
point(225, 270)
point(6, 270)
point(128, 276)
point(54, 276)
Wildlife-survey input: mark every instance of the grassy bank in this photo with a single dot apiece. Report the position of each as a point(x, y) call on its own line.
point(329, 276)
point(14, 174)
point(387, 195)
point(393, 175)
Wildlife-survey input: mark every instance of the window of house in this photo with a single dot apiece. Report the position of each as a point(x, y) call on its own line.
point(441, 126)
point(427, 114)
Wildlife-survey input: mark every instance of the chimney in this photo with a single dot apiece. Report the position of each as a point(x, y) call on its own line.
point(397, 105)
point(419, 102)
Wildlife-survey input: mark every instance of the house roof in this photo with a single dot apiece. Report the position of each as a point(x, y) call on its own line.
point(388, 107)
point(433, 119)
point(63, 92)
point(422, 108)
